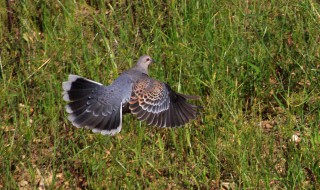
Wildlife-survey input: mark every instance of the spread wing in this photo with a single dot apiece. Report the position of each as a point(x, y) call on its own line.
point(157, 104)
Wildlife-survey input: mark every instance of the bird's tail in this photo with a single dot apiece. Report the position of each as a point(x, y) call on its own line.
point(78, 88)
point(84, 108)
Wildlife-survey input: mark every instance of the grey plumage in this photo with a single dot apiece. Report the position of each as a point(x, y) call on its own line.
point(100, 108)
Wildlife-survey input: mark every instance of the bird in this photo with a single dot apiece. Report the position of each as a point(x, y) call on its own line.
point(100, 108)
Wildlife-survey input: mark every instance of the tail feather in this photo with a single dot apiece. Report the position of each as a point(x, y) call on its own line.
point(75, 106)
point(74, 95)
point(86, 110)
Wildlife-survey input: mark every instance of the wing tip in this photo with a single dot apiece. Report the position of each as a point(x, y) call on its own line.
point(190, 97)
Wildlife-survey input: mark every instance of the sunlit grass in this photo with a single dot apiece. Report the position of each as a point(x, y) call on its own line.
point(255, 65)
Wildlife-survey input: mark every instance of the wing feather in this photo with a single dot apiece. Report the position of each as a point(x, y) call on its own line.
point(157, 104)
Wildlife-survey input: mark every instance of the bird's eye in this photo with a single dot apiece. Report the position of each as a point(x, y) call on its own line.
point(148, 59)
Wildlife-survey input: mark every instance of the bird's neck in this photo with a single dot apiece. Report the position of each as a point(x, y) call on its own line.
point(141, 68)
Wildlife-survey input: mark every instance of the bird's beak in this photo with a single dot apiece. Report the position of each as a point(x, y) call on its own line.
point(153, 61)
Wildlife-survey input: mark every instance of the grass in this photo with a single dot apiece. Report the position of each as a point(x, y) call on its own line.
point(254, 63)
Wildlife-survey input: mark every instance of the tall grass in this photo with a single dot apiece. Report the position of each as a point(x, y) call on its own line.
point(254, 63)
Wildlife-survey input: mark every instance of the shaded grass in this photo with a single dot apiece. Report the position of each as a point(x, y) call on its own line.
point(255, 64)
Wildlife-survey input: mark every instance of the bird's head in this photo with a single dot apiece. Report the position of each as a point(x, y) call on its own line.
point(145, 61)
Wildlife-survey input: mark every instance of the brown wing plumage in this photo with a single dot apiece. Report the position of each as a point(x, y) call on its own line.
point(157, 104)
